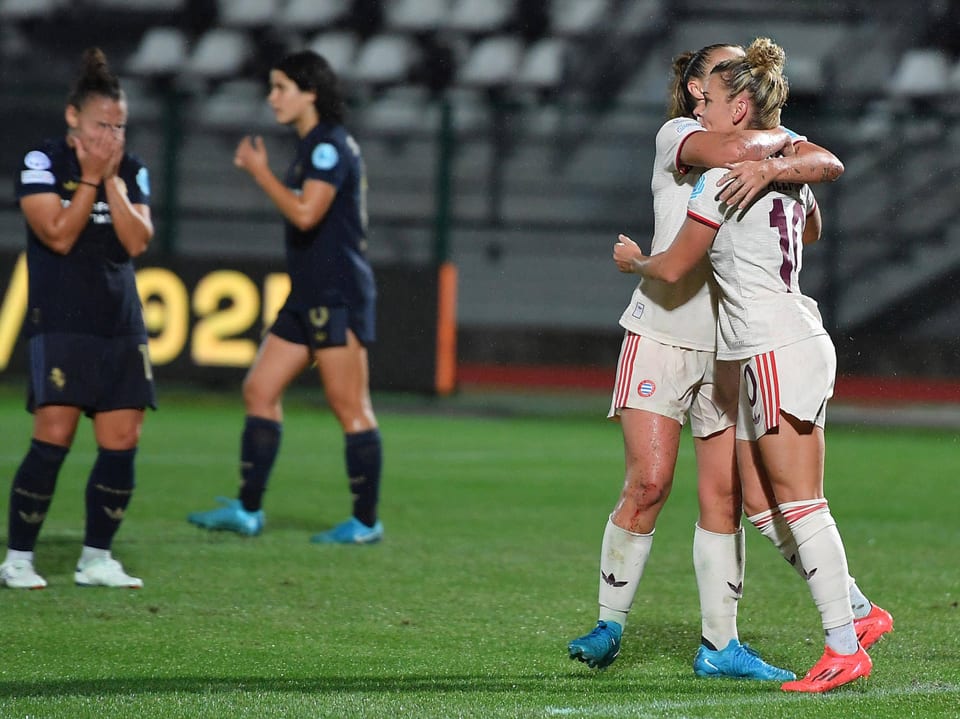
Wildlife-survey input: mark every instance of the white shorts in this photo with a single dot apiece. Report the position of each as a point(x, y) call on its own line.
point(796, 379)
point(674, 382)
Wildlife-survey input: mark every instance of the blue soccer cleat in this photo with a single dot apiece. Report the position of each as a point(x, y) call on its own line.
point(737, 661)
point(353, 531)
point(600, 647)
point(231, 517)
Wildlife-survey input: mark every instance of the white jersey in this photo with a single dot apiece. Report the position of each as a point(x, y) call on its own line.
point(682, 314)
point(756, 258)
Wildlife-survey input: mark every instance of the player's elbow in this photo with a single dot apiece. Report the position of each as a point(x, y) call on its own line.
point(834, 170)
point(138, 249)
point(671, 273)
point(58, 245)
point(305, 220)
point(304, 224)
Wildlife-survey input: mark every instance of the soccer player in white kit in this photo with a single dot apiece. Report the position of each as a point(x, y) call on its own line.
point(775, 335)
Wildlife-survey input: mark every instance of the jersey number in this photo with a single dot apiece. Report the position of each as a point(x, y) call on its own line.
point(791, 239)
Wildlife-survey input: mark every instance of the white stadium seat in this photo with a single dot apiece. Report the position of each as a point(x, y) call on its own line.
point(921, 73)
point(220, 53)
point(385, 58)
point(493, 62)
point(415, 15)
point(162, 51)
point(338, 47)
point(312, 14)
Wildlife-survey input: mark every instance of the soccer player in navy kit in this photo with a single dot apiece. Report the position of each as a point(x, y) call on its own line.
point(85, 201)
point(328, 318)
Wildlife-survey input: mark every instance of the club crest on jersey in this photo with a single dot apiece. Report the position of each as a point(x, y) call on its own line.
point(646, 388)
point(325, 156)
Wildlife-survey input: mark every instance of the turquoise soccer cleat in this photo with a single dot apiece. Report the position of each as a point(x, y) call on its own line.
point(231, 517)
point(353, 531)
point(600, 647)
point(737, 661)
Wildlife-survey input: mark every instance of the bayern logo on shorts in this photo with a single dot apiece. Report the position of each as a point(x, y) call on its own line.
point(646, 388)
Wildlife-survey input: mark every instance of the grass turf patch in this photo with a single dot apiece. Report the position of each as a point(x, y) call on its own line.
point(493, 523)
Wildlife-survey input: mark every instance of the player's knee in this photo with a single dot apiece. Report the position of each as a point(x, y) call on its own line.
point(645, 492)
point(257, 398)
point(119, 437)
point(58, 432)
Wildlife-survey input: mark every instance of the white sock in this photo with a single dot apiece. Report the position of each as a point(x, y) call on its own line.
point(718, 561)
point(772, 525)
point(825, 564)
point(858, 601)
point(88, 554)
point(842, 640)
point(623, 556)
point(15, 554)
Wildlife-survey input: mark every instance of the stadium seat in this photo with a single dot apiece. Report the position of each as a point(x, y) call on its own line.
point(311, 15)
point(477, 17)
point(162, 51)
point(220, 53)
point(543, 64)
point(493, 62)
point(13, 11)
point(415, 16)
point(577, 17)
point(404, 110)
point(922, 73)
point(338, 47)
point(235, 105)
point(385, 59)
point(142, 6)
point(247, 13)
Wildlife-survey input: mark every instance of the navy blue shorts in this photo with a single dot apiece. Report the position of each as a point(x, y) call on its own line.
point(321, 327)
point(97, 374)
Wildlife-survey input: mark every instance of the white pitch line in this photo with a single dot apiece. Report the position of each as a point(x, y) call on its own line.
point(657, 709)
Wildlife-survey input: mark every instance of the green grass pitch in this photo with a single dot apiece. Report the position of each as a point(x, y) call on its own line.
point(489, 567)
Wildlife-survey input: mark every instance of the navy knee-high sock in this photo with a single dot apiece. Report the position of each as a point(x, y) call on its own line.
point(109, 489)
point(258, 451)
point(364, 453)
point(32, 493)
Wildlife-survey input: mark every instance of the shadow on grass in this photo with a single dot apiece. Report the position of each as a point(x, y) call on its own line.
point(415, 684)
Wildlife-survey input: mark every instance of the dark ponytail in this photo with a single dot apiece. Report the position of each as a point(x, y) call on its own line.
point(95, 78)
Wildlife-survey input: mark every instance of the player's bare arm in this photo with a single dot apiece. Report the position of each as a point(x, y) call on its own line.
point(692, 243)
point(720, 149)
point(56, 226)
point(809, 164)
point(132, 223)
point(303, 210)
point(813, 226)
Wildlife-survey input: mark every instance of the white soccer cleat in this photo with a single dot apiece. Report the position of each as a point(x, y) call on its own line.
point(19, 574)
point(104, 572)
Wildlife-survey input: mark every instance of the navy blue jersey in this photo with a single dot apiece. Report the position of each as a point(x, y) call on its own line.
point(91, 289)
point(328, 263)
